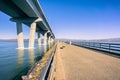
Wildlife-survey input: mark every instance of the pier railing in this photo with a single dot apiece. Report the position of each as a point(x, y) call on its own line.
point(106, 47)
point(46, 70)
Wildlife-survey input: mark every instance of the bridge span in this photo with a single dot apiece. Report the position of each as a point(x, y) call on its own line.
point(28, 12)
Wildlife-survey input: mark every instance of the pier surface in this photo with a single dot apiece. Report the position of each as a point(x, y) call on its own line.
point(77, 63)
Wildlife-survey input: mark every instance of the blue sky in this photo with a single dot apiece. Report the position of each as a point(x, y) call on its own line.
point(74, 19)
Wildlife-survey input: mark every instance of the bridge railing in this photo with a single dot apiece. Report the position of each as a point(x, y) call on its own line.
point(107, 47)
point(46, 70)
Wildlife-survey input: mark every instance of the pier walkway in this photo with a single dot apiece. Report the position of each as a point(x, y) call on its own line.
point(77, 63)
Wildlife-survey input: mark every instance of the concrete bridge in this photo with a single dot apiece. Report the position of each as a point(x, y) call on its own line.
point(28, 12)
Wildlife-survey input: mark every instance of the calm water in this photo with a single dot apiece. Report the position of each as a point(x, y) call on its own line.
point(14, 63)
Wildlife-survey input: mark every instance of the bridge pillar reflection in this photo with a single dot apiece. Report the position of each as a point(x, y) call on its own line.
point(32, 35)
point(20, 35)
point(20, 56)
point(31, 56)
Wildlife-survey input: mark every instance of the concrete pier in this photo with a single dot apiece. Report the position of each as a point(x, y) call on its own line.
point(30, 14)
point(32, 35)
point(20, 35)
point(45, 38)
point(77, 63)
point(52, 40)
point(39, 39)
point(49, 40)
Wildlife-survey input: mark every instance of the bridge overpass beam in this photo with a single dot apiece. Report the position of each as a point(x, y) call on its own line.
point(20, 35)
point(32, 35)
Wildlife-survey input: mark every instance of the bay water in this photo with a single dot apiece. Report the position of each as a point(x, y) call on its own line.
point(14, 63)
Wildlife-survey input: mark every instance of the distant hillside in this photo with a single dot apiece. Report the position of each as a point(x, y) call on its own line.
point(14, 39)
point(95, 40)
point(8, 39)
point(107, 40)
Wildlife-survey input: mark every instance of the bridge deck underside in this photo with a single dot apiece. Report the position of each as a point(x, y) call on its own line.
point(22, 9)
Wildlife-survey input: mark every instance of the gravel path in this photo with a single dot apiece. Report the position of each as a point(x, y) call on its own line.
point(84, 64)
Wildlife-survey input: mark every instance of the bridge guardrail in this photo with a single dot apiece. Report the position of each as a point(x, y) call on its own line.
point(45, 72)
point(107, 47)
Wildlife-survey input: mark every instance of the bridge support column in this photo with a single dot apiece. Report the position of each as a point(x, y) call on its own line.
point(52, 40)
point(20, 35)
point(45, 38)
point(32, 35)
point(49, 42)
point(39, 39)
